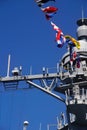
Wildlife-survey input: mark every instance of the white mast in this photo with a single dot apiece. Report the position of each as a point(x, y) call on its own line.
point(8, 67)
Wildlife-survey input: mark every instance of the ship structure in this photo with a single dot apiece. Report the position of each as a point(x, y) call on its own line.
point(74, 82)
point(70, 79)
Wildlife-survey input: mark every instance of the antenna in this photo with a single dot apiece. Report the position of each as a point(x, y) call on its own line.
point(40, 126)
point(82, 14)
point(30, 70)
point(8, 68)
point(25, 124)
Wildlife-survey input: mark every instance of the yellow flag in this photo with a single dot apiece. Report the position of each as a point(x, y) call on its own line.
point(76, 43)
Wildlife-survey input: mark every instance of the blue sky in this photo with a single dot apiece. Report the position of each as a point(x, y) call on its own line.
point(28, 37)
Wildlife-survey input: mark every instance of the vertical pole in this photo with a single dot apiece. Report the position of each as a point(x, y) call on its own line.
point(8, 67)
point(26, 123)
point(30, 70)
point(82, 14)
point(86, 93)
point(57, 68)
point(48, 127)
point(40, 126)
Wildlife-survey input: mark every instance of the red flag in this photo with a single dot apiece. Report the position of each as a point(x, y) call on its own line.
point(49, 9)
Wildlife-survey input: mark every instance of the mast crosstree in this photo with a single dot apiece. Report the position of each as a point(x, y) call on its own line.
point(70, 80)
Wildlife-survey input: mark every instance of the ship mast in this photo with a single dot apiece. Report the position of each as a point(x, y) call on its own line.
point(74, 81)
point(70, 81)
